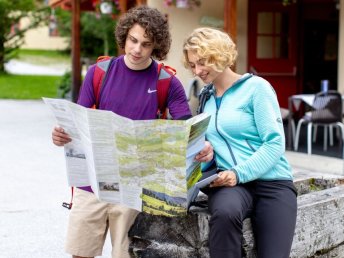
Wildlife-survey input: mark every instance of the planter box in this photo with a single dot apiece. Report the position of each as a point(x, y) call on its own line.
point(319, 227)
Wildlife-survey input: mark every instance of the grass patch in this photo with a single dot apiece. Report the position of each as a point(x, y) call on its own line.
point(28, 86)
point(43, 57)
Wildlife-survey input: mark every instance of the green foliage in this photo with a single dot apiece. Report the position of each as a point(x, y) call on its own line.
point(27, 86)
point(96, 35)
point(55, 54)
point(11, 36)
point(101, 28)
point(64, 86)
point(43, 57)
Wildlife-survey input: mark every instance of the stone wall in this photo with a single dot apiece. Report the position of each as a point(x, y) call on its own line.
point(319, 228)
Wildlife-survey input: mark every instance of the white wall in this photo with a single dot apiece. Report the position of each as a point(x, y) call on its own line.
point(39, 38)
point(183, 21)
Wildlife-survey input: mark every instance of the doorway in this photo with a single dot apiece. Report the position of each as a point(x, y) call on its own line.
point(319, 34)
point(272, 45)
point(294, 44)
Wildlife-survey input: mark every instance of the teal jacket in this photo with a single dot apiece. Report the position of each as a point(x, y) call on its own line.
point(246, 131)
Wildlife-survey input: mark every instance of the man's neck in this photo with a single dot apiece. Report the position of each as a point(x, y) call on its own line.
point(139, 66)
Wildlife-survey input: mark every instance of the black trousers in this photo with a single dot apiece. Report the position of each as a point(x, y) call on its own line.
point(272, 207)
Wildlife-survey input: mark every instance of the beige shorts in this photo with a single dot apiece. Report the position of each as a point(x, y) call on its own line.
point(89, 221)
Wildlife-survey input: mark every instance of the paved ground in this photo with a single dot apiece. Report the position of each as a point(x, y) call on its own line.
point(17, 67)
point(33, 184)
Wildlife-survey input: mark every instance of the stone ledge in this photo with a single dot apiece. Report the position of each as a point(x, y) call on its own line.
point(319, 230)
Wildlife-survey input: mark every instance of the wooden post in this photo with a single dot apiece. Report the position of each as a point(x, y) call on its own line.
point(76, 63)
point(230, 21)
point(123, 6)
point(141, 2)
point(230, 18)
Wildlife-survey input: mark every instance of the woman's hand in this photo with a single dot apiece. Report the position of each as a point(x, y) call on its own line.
point(206, 154)
point(226, 178)
point(60, 137)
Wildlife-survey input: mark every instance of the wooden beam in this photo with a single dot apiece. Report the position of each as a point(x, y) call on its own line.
point(76, 63)
point(230, 21)
point(123, 6)
point(141, 2)
point(230, 18)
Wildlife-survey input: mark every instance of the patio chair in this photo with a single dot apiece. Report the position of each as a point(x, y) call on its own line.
point(285, 117)
point(326, 111)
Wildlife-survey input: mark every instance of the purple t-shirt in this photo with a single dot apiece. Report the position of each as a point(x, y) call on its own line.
point(132, 93)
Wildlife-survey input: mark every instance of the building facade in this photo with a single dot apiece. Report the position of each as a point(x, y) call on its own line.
point(293, 44)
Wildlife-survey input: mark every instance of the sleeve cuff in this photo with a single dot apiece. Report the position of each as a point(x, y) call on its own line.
point(207, 165)
point(236, 174)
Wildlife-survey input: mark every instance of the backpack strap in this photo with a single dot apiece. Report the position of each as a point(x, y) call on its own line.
point(69, 205)
point(203, 97)
point(102, 65)
point(166, 74)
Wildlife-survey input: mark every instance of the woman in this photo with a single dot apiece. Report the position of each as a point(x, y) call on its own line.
point(247, 135)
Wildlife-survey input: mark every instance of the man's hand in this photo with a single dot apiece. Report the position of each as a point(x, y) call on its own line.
point(226, 178)
point(60, 138)
point(206, 154)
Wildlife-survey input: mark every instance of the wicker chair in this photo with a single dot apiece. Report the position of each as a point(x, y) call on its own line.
point(327, 112)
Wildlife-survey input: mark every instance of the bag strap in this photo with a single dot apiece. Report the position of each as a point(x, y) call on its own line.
point(166, 74)
point(69, 205)
point(203, 97)
point(100, 71)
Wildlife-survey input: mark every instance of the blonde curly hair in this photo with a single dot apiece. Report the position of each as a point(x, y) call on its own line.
point(213, 46)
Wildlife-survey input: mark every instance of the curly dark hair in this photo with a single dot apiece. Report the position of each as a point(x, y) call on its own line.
point(155, 25)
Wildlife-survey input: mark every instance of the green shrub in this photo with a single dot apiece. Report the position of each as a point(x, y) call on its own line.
point(64, 86)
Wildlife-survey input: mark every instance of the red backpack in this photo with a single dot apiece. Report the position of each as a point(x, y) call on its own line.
point(166, 74)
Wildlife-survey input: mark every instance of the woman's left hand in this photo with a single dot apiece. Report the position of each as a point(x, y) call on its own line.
point(206, 154)
point(226, 178)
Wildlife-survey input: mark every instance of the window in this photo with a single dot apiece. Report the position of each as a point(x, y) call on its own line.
point(272, 35)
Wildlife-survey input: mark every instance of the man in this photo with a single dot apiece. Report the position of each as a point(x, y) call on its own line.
point(129, 90)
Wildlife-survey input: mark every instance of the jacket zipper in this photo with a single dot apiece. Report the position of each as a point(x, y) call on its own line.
point(228, 145)
point(217, 110)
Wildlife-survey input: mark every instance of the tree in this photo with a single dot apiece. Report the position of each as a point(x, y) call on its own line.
point(101, 28)
point(96, 35)
point(11, 35)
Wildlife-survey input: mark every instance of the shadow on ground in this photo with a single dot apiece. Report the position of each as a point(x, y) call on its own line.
point(334, 151)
